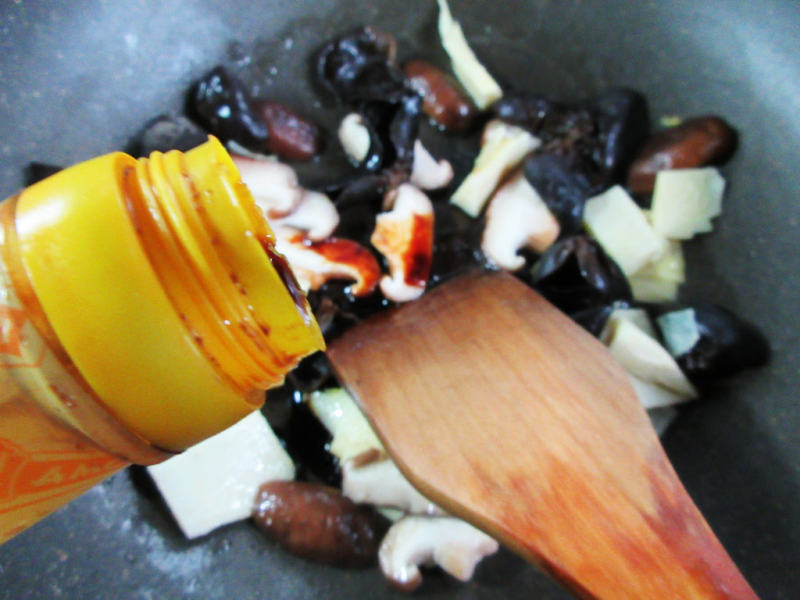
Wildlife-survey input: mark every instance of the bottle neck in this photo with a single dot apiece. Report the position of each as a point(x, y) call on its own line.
point(214, 255)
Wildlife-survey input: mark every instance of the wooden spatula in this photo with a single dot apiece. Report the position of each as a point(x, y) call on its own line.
point(504, 412)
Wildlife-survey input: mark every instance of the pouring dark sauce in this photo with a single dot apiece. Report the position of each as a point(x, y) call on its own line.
point(288, 279)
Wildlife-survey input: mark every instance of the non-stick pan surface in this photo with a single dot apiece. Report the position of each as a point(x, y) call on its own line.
point(79, 78)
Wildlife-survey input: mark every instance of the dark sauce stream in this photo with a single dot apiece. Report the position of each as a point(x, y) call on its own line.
point(287, 277)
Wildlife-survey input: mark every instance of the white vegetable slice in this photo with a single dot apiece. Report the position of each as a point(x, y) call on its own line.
point(621, 228)
point(501, 152)
point(652, 395)
point(670, 266)
point(679, 329)
point(637, 316)
point(352, 434)
point(214, 482)
point(653, 290)
point(685, 201)
point(493, 131)
point(643, 357)
point(467, 68)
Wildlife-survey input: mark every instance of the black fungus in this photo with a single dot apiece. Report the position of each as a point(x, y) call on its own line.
point(597, 138)
point(456, 243)
point(568, 131)
point(165, 133)
point(303, 435)
point(277, 409)
point(224, 106)
point(358, 200)
point(393, 128)
point(340, 309)
point(727, 344)
point(575, 274)
point(564, 189)
point(364, 189)
point(360, 66)
point(594, 319)
point(403, 130)
point(359, 69)
point(358, 203)
point(622, 125)
point(313, 373)
point(541, 115)
point(309, 443)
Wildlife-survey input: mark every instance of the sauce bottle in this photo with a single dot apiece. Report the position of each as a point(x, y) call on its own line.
point(143, 308)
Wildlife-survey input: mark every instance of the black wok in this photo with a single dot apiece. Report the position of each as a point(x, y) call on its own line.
point(78, 78)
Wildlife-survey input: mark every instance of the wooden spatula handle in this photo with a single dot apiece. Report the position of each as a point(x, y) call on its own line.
point(500, 409)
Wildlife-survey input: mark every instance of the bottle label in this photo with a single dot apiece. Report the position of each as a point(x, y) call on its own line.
point(33, 477)
point(13, 321)
point(45, 461)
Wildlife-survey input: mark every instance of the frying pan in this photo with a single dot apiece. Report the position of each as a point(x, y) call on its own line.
point(79, 78)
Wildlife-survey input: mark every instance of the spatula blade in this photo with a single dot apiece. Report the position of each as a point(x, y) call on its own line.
point(499, 408)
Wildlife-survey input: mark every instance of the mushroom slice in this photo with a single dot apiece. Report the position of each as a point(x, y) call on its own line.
point(314, 263)
point(456, 546)
point(503, 148)
point(404, 235)
point(517, 217)
point(381, 483)
point(273, 184)
point(354, 137)
point(427, 173)
point(316, 216)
